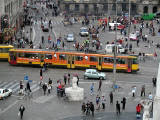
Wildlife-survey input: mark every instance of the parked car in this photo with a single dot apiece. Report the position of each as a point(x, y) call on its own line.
point(84, 31)
point(133, 36)
point(5, 93)
point(70, 38)
point(94, 74)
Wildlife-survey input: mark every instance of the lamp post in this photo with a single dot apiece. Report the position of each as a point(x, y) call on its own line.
point(129, 25)
point(115, 53)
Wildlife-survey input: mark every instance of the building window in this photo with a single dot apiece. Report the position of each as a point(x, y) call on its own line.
point(105, 7)
point(154, 9)
point(76, 7)
point(67, 7)
point(95, 8)
point(114, 6)
point(124, 7)
point(145, 9)
point(86, 8)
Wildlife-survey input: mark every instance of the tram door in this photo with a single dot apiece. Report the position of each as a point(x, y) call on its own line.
point(13, 58)
point(129, 65)
point(42, 57)
point(99, 63)
point(71, 59)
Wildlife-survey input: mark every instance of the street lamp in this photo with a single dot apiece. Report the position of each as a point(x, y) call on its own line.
point(129, 2)
point(115, 53)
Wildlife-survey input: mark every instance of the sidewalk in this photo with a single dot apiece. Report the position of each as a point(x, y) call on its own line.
point(30, 36)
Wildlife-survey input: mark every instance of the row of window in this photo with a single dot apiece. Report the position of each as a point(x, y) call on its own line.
point(4, 50)
point(77, 58)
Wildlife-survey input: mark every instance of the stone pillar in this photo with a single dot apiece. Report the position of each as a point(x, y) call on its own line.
point(140, 9)
point(156, 107)
point(150, 8)
point(72, 7)
point(81, 8)
point(109, 8)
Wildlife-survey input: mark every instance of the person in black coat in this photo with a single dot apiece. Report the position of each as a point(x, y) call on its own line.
point(111, 97)
point(21, 110)
point(118, 108)
point(28, 87)
point(123, 103)
point(92, 108)
point(83, 107)
point(41, 73)
point(44, 88)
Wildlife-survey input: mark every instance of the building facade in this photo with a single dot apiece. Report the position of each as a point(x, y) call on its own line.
point(109, 6)
point(10, 17)
point(11, 10)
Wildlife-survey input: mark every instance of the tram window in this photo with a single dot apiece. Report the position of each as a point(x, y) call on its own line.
point(62, 57)
point(48, 56)
point(108, 60)
point(32, 56)
point(79, 58)
point(135, 61)
point(93, 58)
point(120, 61)
point(0, 50)
point(5, 50)
point(21, 55)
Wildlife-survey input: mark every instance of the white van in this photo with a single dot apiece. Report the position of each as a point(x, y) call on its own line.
point(110, 48)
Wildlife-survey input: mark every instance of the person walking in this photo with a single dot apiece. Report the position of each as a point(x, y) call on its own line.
point(133, 91)
point(92, 88)
point(92, 108)
point(143, 91)
point(154, 80)
point(83, 108)
point(100, 85)
point(49, 88)
point(65, 79)
point(97, 102)
point(44, 88)
point(123, 103)
point(88, 108)
point(42, 39)
point(103, 102)
point(118, 108)
point(77, 80)
point(41, 74)
point(28, 87)
point(69, 78)
point(21, 110)
point(111, 97)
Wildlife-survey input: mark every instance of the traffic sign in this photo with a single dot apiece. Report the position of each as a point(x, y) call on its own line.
point(26, 77)
point(29, 80)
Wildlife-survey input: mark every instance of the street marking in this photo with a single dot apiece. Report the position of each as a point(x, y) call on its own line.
point(43, 99)
point(109, 82)
point(4, 83)
point(10, 106)
point(8, 85)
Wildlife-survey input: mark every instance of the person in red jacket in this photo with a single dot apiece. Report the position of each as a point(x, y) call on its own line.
point(138, 109)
